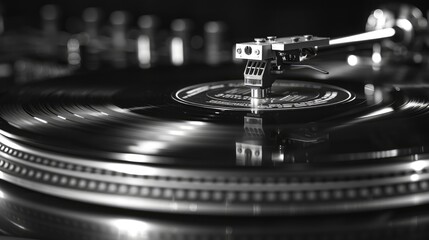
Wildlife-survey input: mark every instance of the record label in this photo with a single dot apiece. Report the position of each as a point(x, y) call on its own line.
point(285, 95)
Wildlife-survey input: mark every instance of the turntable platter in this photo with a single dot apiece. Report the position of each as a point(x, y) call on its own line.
point(130, 140)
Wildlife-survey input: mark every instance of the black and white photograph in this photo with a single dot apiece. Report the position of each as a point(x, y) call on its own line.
point(214, 120)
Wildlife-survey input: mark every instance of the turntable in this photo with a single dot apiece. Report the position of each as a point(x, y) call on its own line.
point(299, 134)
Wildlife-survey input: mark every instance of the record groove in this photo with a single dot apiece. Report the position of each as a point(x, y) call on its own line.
point(120, 146)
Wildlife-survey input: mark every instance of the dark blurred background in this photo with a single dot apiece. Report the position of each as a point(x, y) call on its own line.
point(41, 39)
point(245, 19)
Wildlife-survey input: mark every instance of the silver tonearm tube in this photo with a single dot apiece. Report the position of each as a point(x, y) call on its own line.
point(270, 57)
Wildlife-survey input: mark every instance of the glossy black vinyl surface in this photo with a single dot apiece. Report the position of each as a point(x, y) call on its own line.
point(123, 159)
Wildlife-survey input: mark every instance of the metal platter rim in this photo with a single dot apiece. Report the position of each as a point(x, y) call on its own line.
point(216, 209)
point(14, 147)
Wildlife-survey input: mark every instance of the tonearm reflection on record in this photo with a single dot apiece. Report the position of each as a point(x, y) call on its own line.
point(268, 144)
point(403, 30)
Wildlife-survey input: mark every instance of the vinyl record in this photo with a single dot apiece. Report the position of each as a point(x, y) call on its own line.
point(188, 141)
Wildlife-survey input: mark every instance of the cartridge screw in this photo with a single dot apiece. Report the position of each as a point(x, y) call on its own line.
point(308, 37)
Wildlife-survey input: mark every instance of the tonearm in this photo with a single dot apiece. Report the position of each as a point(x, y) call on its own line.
point(270, 57)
